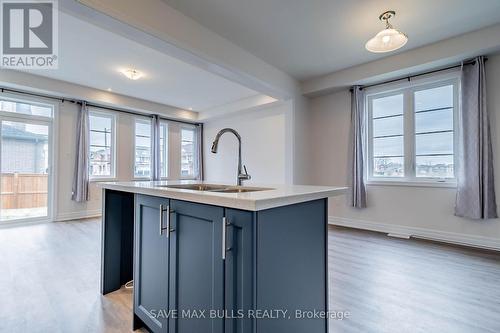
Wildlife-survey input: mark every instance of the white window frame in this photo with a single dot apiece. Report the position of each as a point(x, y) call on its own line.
point(195, 142)
point(144, 120)
point(174, 149)
point(167, 150)
point(112, 116)
point(53, 124)
point(408, 90)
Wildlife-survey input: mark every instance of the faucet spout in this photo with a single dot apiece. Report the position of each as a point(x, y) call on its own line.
point(214, 146)
point(241, 176)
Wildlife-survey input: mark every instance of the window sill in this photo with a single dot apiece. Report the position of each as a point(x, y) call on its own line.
point(104, 179)
point(188, 178)
point(141, 179)
point(445, 184)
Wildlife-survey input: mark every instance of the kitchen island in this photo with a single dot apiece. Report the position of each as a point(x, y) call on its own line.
point(209, 257)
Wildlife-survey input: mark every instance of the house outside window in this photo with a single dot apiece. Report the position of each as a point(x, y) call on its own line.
point(143, 148)
point(188, 152)
point(102, 145)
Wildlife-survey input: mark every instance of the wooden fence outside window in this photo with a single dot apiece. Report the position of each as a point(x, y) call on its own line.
point(21, 190)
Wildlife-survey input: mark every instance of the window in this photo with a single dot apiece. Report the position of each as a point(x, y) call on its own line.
point(387, 133)
point(143, 146)
point(164, 150)
point(434, 144)
point(177, 150)
point(187, 152)
point(32, 109)
point(26, 159)
point(411, 132)
point(101, 161)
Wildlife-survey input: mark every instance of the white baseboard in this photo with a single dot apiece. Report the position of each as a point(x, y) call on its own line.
point(15, 224)
point(441, 236)
point(78, 215)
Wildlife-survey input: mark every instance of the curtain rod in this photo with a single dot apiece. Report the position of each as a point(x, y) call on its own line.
point(409, 77)
point(95, 105)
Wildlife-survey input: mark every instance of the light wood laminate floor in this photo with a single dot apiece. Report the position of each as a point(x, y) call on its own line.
point(396, 285)
point(49, 281)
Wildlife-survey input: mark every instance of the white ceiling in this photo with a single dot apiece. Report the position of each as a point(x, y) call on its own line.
point(92, 56)
point(307, 38)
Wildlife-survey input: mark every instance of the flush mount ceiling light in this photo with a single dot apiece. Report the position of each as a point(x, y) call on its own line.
point(132, 74)
point(388, 39)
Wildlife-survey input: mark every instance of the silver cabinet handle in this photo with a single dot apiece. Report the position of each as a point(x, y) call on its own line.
point(224, 221)
point(161, 219)
point(164, 209)
point(225, 224)
point(168, 221)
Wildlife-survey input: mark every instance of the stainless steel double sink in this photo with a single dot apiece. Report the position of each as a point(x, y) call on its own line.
point(216, 188)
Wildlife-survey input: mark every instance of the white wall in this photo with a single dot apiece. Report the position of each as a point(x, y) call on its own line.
point(299, 136)
point(264, 146)
point(421, 211)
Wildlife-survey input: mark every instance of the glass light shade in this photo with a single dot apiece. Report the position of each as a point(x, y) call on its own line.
point(386, 40)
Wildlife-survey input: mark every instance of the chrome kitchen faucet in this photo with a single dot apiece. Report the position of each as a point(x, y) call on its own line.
point(241, 176)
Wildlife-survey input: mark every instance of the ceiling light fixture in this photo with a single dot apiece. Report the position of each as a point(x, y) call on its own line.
point(388, 39)
point(132, 74)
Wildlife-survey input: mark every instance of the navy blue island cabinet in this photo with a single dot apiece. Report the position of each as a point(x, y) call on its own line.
point(200, 268)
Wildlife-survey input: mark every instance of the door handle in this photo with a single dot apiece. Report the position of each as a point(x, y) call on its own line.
point(225, 224)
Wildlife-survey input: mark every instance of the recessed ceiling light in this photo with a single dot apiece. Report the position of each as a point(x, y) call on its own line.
point(109, 89)
point(388, 39)
point(190, 109)
point(132, 74)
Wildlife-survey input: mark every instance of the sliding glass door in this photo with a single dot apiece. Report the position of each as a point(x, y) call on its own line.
point(25, 164)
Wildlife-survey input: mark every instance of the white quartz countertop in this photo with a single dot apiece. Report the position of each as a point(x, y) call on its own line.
point(276, 196)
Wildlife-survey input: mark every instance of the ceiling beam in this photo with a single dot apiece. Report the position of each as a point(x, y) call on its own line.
point(155, 24)
point(245, 104)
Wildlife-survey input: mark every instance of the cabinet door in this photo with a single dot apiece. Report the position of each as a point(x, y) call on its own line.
point(196, 267)
point(151, 262)
point(239, 270)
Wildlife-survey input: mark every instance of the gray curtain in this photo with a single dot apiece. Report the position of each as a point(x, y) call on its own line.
point(155, 154)
point(476, 189)
point(199, 152)
point(81, 172)
point(356, 180)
